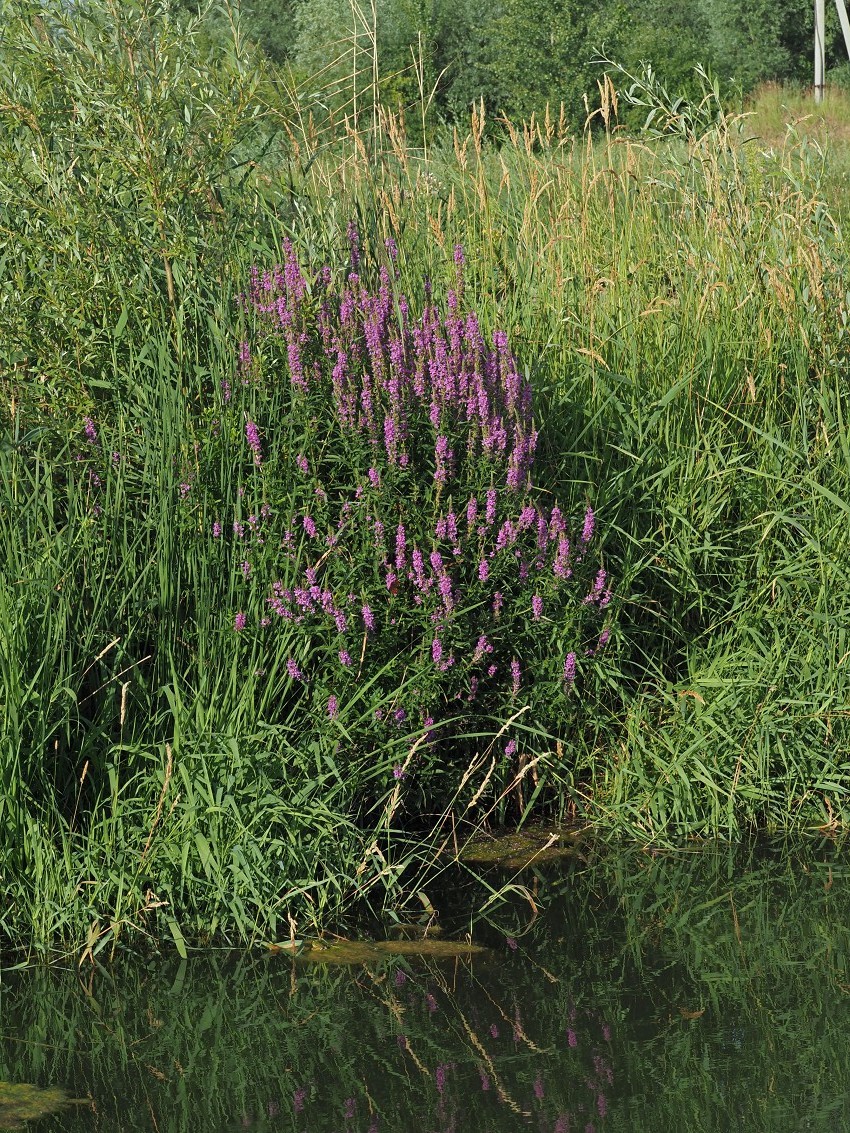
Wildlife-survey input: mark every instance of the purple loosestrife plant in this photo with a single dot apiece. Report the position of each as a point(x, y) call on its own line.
point(421, 552)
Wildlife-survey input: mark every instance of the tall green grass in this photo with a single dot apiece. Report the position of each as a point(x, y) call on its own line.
point(681, 307)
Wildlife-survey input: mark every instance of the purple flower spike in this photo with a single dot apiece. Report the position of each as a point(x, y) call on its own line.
point(239, 622)
point(292, 669)
point(589, 526)
point(345, 658)
point(436, 650)
point(368, 618)
point(570, 669)
point(216, 530)
point(536, 607)
point(91, 431)
point(252, 435)
point(333, 707)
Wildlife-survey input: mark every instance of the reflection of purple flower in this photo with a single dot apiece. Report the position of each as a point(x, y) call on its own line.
point(494, 1030)
point(511, 943)
point(440, 1078)
point(400, 977)
point(606, 1032)
point(298, 1099)
point(349, 1107)
point(485, 1081)
point(572, 1039)
point(430, 1003)
point(538, 1088)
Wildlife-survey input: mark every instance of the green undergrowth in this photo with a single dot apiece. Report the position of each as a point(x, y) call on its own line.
point(680, 307)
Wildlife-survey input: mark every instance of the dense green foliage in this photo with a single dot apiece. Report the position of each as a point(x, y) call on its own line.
point(519, 55)
point(677, 308)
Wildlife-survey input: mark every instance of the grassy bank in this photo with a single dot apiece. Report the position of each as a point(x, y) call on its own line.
point(196, 745)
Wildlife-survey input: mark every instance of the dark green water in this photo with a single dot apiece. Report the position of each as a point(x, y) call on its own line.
point(685, 991)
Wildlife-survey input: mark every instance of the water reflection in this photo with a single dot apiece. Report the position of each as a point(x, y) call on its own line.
point(690, 991)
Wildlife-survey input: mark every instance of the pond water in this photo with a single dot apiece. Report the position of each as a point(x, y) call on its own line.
point(692, 990)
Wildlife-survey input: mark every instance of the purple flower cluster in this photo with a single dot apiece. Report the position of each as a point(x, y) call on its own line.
point(453, 556)
point(391, 374)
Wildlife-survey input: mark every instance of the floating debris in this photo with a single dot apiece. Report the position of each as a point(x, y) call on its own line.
point(20, 1102)
point(373, 951)
point(518, 849)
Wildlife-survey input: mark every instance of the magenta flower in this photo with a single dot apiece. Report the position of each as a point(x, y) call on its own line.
point(216, 530)
point(91, 431)
point(510, 748)
point(333, 707)
point(570, 669)
point(292, 669)
point(490, 513)
point(436, 650)
point(345, 658)
point(368, 618)
point(589, 525)
point(303, 466)
point(483, 570)
point(309, 526)
point(516, 675)
point(536, 607)
point(398, 772)
point(252, 435)
point(239, 622)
